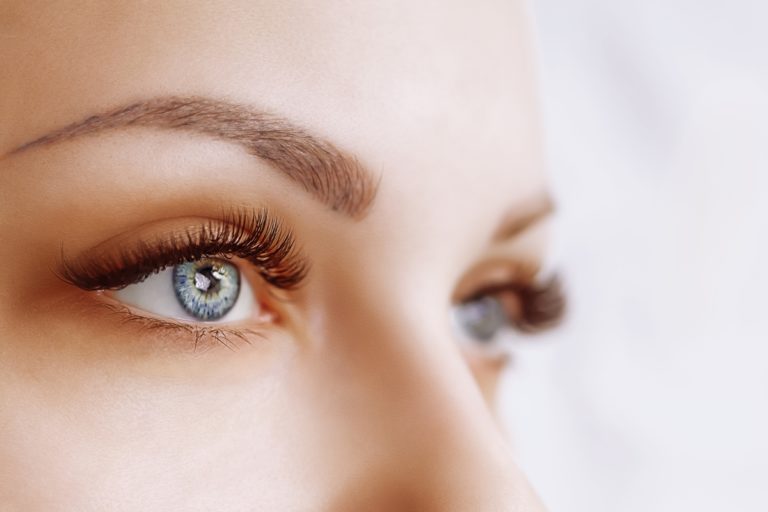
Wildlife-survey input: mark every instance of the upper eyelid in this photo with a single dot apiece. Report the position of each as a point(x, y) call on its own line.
point(204, 336)
point(254, 235)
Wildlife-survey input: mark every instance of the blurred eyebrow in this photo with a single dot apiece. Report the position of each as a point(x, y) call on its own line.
point(525, 216)
point(331, 176)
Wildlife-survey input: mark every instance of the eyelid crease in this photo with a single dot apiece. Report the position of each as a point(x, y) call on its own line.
point(255, 236)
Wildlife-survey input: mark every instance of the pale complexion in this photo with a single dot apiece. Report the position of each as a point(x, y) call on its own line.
point(356, 394)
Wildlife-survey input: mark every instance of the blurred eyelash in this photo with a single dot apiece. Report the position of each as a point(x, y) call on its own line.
point(254, 236)
point(538, 305)
point(543, 305)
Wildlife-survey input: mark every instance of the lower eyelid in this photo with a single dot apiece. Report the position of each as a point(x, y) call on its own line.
point(188, 336)
point(108, 300)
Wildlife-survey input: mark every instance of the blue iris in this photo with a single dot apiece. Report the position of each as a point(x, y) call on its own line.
point(482, 318)
point(207, 288)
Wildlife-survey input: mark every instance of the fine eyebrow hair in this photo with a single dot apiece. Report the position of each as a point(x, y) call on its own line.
point(331, 176)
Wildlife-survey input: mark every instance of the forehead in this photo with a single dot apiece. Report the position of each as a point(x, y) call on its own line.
point(435, 97)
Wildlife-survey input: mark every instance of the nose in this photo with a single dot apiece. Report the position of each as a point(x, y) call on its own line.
point(429, 441)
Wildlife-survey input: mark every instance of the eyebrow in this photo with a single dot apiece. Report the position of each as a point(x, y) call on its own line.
point(331, 176)
point(525, 216)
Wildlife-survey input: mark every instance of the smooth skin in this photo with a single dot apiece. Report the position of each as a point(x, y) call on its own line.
point(360, 397)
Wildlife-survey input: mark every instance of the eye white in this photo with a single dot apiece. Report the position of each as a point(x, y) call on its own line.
point(156, 296)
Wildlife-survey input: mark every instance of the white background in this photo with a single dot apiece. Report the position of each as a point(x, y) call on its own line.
point(653, 395)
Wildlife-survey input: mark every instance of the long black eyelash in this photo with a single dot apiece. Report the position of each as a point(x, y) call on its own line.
point(254, 236)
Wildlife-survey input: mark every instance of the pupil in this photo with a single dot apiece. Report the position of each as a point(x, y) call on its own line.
point(207, 289)
point(207, 279)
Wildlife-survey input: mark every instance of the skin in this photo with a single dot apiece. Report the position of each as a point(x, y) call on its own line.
point(358, 396)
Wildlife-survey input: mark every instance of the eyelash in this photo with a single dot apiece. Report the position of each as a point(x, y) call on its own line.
point(254, 236)
point(260, 239)
point(542, 304)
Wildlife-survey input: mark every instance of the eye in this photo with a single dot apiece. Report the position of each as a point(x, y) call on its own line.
point(484, 325)
point(490, 321)
point(204, 290)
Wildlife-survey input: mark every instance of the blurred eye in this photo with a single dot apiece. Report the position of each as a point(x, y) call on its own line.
point(481, 319)
point(207, 290)
point(490, 321)
point(484, 325)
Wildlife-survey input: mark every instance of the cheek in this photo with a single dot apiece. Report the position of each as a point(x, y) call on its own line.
point(96, 433)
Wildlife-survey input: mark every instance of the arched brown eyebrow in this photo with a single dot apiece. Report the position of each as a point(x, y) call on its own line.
point(331, 176)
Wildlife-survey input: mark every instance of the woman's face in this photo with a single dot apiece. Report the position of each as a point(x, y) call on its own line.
point(254, 252)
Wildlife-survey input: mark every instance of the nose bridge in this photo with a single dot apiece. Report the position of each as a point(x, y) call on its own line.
point(431, 387)
point(441, 449)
